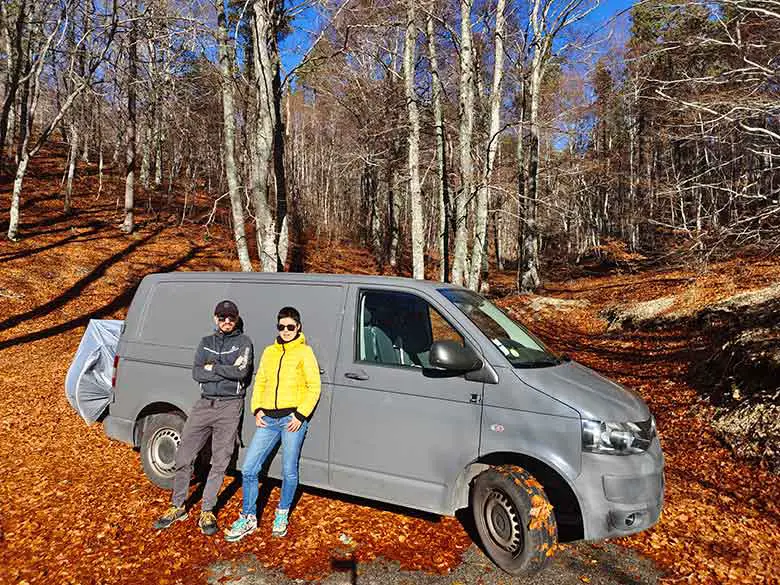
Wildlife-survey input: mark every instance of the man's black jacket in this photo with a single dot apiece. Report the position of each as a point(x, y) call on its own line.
point(232, 358)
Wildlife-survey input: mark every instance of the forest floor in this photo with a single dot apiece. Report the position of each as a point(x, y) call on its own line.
point(76, 508)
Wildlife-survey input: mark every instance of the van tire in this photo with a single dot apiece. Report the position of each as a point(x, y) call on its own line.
point(160, 439)
point(514, 519)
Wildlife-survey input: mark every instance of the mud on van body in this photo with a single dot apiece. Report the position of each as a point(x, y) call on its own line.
point(432, 398)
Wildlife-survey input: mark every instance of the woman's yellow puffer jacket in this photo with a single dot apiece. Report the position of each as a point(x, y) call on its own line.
point(288, 377)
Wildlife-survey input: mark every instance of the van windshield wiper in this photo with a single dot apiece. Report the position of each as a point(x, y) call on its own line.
point(540, 363)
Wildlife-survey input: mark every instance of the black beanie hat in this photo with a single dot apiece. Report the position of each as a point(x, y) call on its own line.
point(226, 309)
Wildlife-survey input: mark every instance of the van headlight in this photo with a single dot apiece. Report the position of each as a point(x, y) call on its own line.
point(617, 438)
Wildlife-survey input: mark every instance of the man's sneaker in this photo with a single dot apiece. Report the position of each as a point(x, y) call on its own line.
point(172, 515)
point(280, 523)
point(246, 524)
point(208, 523)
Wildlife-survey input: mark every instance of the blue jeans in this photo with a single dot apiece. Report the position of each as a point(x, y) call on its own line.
point(263, 442)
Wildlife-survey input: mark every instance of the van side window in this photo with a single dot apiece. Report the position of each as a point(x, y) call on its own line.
point(398, 329)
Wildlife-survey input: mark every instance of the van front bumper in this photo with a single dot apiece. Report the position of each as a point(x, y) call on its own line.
point(621, 495)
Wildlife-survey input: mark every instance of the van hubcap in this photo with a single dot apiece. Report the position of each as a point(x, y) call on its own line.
point(162, 450)
point(503, 522)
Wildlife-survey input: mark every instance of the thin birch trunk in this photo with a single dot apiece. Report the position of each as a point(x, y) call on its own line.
point(394, 203)
point(130, 150)
point(466, 113)
point(261, 147)
point(415, 195)
point(228, 134)
point(483, 193)
point(73, 155)
point(441, 155)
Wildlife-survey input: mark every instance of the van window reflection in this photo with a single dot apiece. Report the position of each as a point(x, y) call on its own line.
point(398, 329)
point(513, 340)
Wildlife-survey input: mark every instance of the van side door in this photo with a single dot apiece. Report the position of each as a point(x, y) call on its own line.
point(321, 306)
point(401, 432)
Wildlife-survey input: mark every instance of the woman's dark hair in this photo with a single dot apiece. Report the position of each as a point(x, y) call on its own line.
point(289, 313)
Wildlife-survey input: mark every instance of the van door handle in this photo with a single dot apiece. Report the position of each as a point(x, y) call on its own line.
point(356, 375)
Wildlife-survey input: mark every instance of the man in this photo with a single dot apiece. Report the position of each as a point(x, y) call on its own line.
point(223, 367)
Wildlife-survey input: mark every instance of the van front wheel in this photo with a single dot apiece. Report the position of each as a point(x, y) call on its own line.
point(159, 442)
point(514, 519)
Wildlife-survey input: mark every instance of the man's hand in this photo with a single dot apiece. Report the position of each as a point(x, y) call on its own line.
point(241, 360)
point(259, 419)
point(294, 424)
point(208, 367)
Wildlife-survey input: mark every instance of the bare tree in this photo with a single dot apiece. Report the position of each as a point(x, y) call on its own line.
point(128, 225)
point(415, 197)
point(483, 192)
point(441, 150)
point(466, 115)
point(228, 134)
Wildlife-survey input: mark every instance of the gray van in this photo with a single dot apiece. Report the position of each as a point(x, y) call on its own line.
point(432, 398)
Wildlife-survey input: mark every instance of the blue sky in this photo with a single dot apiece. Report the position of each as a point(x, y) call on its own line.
point(309, 22)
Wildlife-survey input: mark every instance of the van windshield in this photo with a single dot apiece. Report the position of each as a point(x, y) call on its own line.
point(517, 344)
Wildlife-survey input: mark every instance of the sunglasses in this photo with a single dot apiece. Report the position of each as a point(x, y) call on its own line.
point(281, 327)
point(229, 318)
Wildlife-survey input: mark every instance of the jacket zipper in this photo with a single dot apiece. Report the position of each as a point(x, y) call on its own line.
point(278, 374)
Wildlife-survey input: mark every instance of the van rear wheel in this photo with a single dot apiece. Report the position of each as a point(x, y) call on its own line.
point(160, 441)
point(514, 519)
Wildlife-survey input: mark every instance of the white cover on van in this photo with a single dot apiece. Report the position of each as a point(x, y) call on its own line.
point(88, 382)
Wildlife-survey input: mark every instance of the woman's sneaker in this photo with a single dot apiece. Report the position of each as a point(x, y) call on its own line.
point(280, 523)
point(246, 524)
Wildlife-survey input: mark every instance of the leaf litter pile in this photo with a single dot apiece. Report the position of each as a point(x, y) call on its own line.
point(76, 508)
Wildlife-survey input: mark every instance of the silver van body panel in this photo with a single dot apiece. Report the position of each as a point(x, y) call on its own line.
point(593, 395)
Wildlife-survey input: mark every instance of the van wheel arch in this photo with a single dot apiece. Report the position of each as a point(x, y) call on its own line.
point(144, 415)
point(158, 433)
point(566, 505)
point(514, 519)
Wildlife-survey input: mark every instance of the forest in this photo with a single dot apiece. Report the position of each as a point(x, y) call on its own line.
point(440, 135)
point(608, 172)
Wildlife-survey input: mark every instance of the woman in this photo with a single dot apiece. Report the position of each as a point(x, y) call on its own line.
point(287, 387)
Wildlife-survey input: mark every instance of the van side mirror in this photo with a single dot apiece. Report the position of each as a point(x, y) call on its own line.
point(451, 355)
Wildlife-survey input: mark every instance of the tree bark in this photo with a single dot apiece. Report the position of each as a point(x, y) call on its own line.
point(483, 193)
point(130, 148)
point(74, 145)
point(280, 175)
point(441, 155)
point(228, 134)
point(415, 195)
point(261, 147)
point(466, 113)
point(14, 62)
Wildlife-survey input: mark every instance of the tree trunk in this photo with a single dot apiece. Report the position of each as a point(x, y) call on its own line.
point(394, 203)
point(415, 196)
point(480, 229)
point(280, 175)
point(130, 153)
point(74, 145)
point(14, 62)
point(228, 147)
point(261, 147)
point(529, 279)
point(521, 179)
point(466, 112)
point(441, 159)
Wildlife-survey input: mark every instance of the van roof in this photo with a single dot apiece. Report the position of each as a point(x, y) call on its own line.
point(292, 277)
